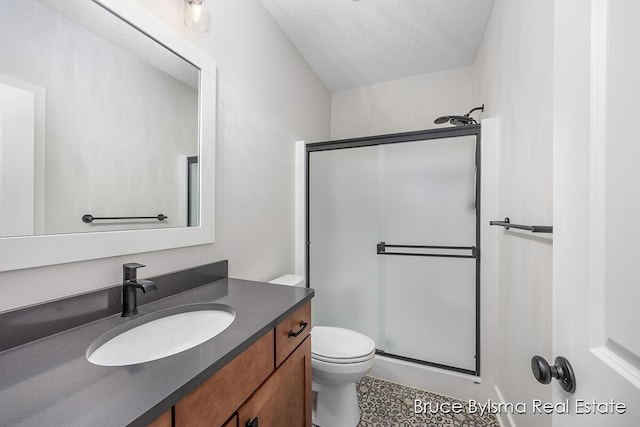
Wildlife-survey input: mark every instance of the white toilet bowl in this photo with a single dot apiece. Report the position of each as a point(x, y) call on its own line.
point(339, 358)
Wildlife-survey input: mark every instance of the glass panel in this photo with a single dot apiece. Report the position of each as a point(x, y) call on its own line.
point(429, 199)
point(430, 309)
point(416, 193)
point(343, 231)
point(429, 192)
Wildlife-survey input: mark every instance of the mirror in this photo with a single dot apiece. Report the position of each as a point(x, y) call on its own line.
point(99, 123)
point(127, 129)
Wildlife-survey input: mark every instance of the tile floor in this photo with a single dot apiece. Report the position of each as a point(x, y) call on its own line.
point(385, 404)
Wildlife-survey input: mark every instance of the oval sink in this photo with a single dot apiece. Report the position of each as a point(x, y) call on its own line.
point(160, 334)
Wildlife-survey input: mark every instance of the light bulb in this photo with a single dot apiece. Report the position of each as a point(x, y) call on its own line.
point(196, 15)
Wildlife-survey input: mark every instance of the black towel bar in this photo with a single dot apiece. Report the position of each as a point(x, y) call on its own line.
point(88, 218)
point(507, 224)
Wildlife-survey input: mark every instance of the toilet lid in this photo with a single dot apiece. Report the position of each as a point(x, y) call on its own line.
point(339, 344)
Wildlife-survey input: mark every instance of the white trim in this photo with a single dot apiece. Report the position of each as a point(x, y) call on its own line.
point(140, 18)
point(299, 217)
point(440, 381)
point(626, 369)
point(597, 170)
point(489, 208)
point(35, 251)
point(509, 422)
point(39, 93)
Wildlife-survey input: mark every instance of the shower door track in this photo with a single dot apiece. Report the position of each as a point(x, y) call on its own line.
point(421, 135)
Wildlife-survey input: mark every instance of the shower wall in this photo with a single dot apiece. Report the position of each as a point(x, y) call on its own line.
point(514, 78)
point(402, 105)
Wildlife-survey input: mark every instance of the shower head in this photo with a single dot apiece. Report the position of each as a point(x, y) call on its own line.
point(462, 121)
point(455, 120)
point(459, 120)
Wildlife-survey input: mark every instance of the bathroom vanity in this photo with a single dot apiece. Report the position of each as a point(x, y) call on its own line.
point(256, 372)
point(268, 384)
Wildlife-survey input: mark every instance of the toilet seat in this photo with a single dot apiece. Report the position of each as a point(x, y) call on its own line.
point(344, 361)
point(340, 346)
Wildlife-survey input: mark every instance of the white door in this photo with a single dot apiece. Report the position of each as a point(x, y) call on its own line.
point(596, 272)
point(17, 133)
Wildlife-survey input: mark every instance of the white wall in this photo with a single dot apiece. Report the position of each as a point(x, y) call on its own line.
point(115, 125)
point(514, 78)
point(403, 105)
point(268, 98)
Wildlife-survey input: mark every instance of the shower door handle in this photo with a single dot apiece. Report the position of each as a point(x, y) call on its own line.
point(422, 250)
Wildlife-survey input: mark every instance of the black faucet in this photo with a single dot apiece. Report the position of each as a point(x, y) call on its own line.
point(130, 285)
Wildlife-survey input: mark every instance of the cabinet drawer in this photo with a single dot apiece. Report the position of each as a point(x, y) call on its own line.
point(284, 400)
point(292, 331)
point(212, 403)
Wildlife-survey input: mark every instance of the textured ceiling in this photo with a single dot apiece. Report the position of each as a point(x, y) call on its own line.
point(357, 43)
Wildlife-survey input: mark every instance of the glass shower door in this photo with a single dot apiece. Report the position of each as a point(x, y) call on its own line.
point(343, 228)
point(430, 285)
point(392, 246)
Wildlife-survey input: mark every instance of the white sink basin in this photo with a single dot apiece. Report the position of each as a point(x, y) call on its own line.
point(160, 334)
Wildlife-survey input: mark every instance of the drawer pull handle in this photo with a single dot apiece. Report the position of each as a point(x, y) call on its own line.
point(303, 326)
point(253, 423)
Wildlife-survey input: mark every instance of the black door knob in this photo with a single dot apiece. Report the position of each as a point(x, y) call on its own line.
point(562, 371)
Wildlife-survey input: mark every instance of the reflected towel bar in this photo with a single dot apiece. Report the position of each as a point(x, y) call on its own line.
point(88, 218)
point(532, 228)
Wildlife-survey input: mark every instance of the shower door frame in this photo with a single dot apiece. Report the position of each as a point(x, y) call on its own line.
point(421, 135)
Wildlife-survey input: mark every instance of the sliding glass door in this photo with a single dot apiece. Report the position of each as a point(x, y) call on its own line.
point(392, 227)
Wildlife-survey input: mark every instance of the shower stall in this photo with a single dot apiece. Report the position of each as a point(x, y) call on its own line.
point(392, 242)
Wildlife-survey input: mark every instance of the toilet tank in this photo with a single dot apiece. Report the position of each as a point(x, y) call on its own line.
point(289, 280)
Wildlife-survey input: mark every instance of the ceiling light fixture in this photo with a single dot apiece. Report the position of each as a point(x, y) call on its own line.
point(196, 15)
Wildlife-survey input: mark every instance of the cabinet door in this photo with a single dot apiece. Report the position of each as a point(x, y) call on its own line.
point(284, 400)
point(163, 420)
point(233, 422)
point(216, 400)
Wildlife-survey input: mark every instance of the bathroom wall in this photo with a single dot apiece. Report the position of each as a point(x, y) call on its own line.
point(514, 78)
point(402, 105)
point(268, 97)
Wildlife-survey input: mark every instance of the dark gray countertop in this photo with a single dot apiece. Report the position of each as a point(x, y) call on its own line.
point(49, 382)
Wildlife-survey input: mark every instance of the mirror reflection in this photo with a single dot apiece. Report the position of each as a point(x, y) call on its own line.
point(97, 119)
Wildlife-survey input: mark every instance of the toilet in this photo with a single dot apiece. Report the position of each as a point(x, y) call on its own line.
point(339, 358)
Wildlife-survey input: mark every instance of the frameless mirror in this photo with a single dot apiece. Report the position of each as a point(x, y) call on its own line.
point(99, 123)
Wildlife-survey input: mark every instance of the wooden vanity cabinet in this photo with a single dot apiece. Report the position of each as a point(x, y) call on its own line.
point(283, 400)
point(233, 422)
point(291, 332)
point(216, 400)
point(163, 420)
point(270, 381)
